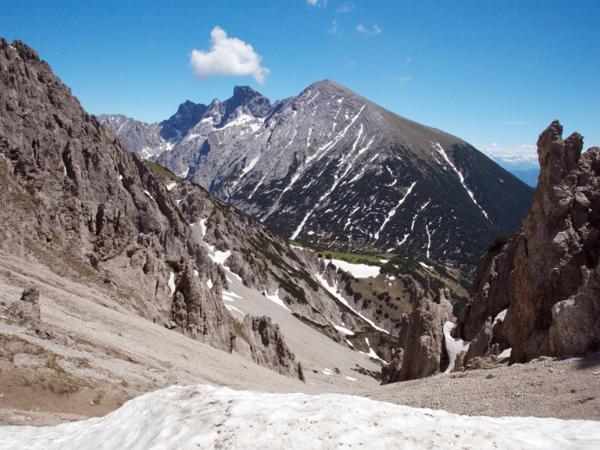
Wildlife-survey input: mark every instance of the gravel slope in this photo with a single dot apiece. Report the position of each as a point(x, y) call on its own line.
point(545, 387)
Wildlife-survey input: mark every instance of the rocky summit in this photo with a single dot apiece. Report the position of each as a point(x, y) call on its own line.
point(332, 169)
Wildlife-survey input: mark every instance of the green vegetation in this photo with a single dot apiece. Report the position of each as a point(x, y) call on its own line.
point(373, 258)
point(160, 170)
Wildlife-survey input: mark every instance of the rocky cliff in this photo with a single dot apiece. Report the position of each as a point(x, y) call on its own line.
point(421, 349)
point(546, 278)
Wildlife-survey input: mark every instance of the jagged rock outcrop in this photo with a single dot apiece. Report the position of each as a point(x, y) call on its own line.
point(548, 274)
point(74, 199)
point(264, 342)
point(490, 294)
point(421, 351)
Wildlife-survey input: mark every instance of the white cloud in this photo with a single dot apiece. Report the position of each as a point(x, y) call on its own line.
point(370, 31)
point(228, 56)
point(510, 153)
point(316, 2)
point(404, 79)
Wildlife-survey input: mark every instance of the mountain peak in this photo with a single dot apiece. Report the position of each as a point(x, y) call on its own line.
point(245, 92)
point(330, 86)
point(248, 100)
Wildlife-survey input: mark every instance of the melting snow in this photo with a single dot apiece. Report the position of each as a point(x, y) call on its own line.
point(277, 300)
point(260, 182)
point(461, 178)
point(329, 145)
point(203, 227)
point(343, 330)
point(209, 283)
point(372, 353)
point(453, 345)
point(233, 308)
point(392, 212)
point(231, 296)
point(171, 282)
point(428, 239)
point(334, 291)
point(500, 316)
point(170, 186)
point(218, 256)
point(216, 417)
point(241, 120)
point(357, 270)
point(505, 353)
point(249, 166)
point(148, 194)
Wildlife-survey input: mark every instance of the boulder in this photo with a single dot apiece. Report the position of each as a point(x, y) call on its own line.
point(263, 341)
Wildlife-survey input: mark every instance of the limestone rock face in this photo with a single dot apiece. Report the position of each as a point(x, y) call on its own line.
point(262, 339)
point(421, 340)
point(490, 293)
point(548, 273)
point(74, 199)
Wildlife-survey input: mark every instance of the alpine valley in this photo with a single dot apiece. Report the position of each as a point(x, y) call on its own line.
point(311, 272)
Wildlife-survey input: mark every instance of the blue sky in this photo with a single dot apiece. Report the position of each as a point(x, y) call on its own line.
point(487, 71)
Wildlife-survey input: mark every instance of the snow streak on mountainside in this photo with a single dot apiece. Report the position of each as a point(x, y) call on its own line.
point(331, 168)
point(212, 417)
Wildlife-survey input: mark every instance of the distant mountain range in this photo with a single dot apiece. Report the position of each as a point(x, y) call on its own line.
point(331, 169)
point(526, 170)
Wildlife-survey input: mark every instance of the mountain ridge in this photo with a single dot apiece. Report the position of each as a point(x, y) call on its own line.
point(331, 168)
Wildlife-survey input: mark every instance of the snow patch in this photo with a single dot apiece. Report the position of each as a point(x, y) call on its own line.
point(234, 309)
point(171, 283)
point(437, 146)
point(453, 345)
point(505, 353)
point(356, 270)
point(219, 257)
point(148, 194)
point(202, 224)
point(336, 293)
point(500, 316)
point(215, 417)
point(392, 212)
point(277, 300)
